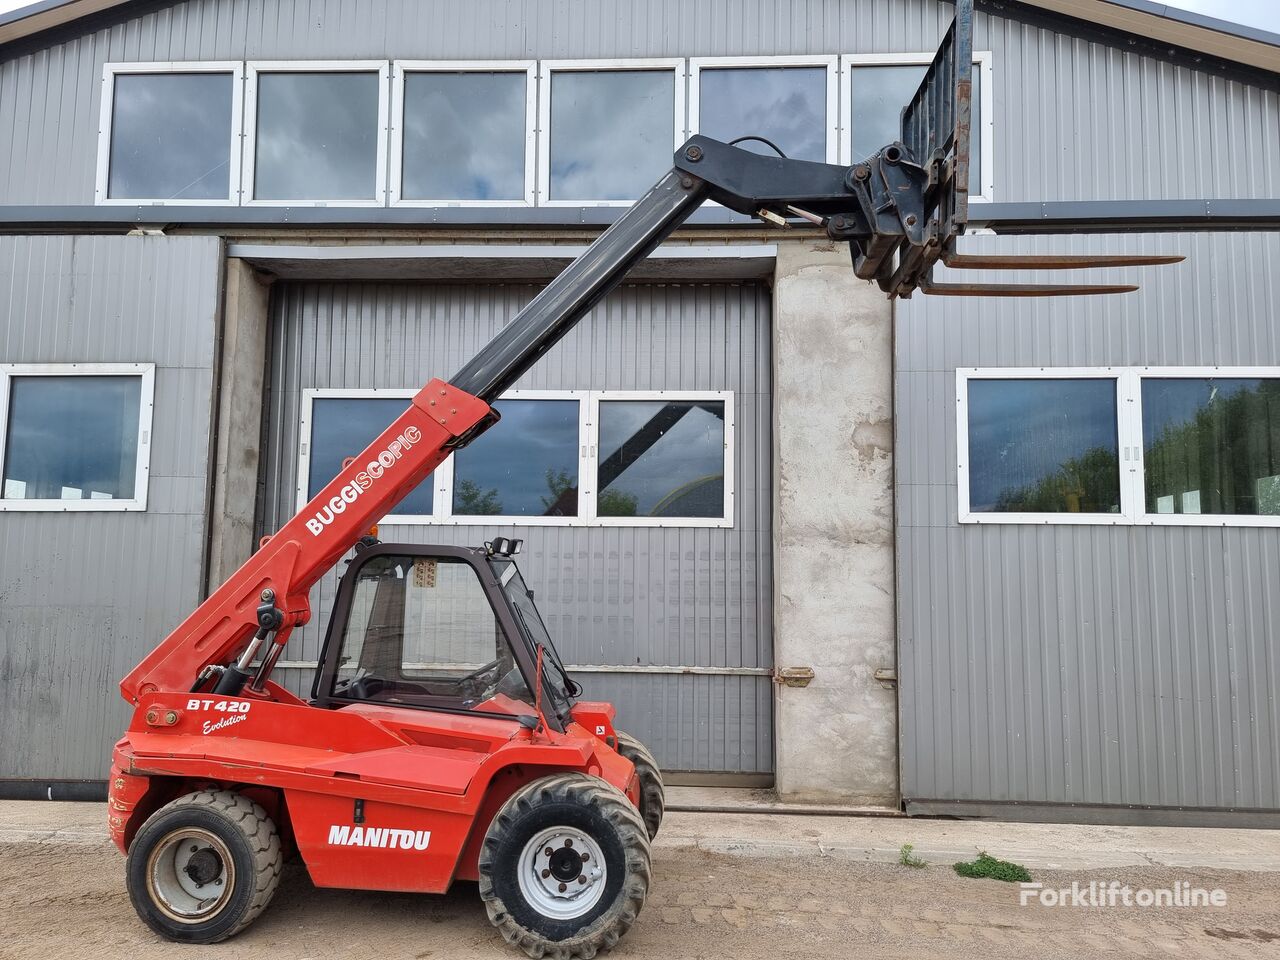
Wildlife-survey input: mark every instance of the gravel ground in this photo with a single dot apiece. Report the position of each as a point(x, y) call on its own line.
point(68, 901)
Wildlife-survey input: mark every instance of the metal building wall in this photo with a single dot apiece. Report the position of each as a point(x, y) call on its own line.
point(84, 595)
point(1132, 665)
point(614, 596)
point(1073, 120)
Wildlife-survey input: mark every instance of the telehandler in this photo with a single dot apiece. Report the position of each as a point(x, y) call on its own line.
point(443, 739)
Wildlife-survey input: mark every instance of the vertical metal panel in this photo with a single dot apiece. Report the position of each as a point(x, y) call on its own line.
point(611, 595)
point(1073, 119)
point(83, 596)
point(1085, 664)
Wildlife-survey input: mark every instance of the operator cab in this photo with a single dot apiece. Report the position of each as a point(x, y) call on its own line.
point(441, 628)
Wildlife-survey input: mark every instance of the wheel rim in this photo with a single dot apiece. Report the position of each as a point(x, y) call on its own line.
point(562, 873)
point(190, 875)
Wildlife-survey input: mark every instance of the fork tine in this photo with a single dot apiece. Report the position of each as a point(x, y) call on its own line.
point(1023, 289)
point(979, 261)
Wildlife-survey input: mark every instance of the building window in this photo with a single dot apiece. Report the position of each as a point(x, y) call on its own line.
point(611, 130)
point(1043, 446)
point(877, 87)
point(168, 133)
point(1148, 445)
point(663, 458)
point(463, 133)
point(790, 101)
point(526, 465)
point(1211, 446)
point(75, 436)
point(556, 458)
point(337, 424)
point(317, 132)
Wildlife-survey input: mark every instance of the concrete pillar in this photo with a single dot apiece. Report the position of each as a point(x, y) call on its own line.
point(833, 550)
point(242, 366)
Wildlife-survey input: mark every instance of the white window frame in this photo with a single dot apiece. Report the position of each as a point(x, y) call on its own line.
point(1132, 448)
point(109, 73)
point(146, 401)
point(588, 460)
point(830, 62)
point(590, 494)
point(248, 169)
point(1189, 519)
point(547, 68)
point(402, 67)
point(985, 140)
point(1124, 440)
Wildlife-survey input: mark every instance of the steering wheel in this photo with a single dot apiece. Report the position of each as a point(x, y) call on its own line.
point(476, 683)
point(365, 687)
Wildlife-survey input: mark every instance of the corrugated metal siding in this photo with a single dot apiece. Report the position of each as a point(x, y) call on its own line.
point(610, 595)
point(1085, 664)
point(83, 596)
point(1074, 120)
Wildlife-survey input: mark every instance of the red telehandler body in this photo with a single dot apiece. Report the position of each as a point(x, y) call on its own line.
point(443, 739)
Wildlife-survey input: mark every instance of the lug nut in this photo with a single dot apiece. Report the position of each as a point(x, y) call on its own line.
point(585, 856)
point(563, 887)
point(546, 874)
point(547, 851)
point(568, 843)
point(194, 849)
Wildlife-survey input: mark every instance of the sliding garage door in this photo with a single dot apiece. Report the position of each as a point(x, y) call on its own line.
point(633, 460)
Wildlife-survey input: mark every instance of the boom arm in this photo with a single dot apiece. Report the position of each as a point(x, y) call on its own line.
point(900, 211)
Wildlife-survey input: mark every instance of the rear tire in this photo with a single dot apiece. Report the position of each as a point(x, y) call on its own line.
point(653, 794)
point(565, 866)
point(203, 867)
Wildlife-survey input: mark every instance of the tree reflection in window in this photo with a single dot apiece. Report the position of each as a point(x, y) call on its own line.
point(1043, 446)
point(1211, 445)
point(526, 465)
point(661, 459)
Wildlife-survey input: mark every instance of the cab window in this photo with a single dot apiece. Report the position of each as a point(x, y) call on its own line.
point(421, 632)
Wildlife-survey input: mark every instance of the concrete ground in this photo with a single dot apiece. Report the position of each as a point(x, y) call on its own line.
point(746, 885)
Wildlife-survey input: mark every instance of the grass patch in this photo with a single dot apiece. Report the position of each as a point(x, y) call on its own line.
point(987, 866)
point(908, 859)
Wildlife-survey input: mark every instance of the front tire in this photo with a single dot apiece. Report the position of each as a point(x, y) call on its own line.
point(565, 867)
point(203, 867)
point(653, 793)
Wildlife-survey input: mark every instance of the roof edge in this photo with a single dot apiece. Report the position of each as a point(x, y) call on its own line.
point(45, 15)
point(1163, 24)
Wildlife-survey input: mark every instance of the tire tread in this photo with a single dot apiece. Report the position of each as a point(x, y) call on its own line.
point(606, 930)
point(260, 834)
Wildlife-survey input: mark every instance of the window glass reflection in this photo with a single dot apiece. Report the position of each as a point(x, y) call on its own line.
point(1043, 446)
point(72, 438)
point(464, 136)
point(317, 136)
point(524, 466)
point(171, 137)
point(611, 132)
point(661, 459)
point(1211, 445)
point(878, 95)
point(787, 105)
point(342, 427)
